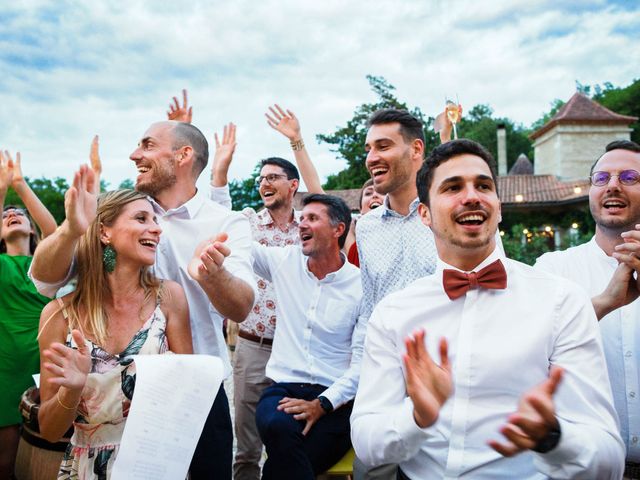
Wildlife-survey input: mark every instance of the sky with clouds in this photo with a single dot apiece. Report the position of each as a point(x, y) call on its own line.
point(71, 69)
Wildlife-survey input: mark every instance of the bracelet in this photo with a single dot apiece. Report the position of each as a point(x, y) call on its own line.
point(62, 404)
point(297, 145)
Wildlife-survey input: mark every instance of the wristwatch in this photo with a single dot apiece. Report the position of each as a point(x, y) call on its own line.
point(325, 404)
point(549, 441)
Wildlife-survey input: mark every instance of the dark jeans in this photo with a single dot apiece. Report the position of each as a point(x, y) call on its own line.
point(213, 456)
point(291, 454)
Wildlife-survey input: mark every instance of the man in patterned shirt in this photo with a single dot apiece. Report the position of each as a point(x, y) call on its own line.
point(395, 247)
point(276, 226)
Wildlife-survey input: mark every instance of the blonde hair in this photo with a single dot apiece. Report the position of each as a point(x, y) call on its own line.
point(87, 301)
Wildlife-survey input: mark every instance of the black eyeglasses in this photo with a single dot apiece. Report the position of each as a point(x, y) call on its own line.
point(626, 177)
point(15, 211)
point(272, 177)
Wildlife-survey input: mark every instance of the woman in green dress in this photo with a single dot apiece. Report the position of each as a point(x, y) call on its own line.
point(20, 303)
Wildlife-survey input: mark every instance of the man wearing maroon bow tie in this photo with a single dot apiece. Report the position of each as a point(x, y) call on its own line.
point(519, 388)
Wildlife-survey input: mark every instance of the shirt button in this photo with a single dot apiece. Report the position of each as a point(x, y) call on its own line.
point(632, 394)
point(627, 353)
point(634, 439)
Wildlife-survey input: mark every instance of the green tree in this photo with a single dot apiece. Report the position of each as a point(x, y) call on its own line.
point(244, 193)
point(126, 183)
point(348, 141)
point(622, 100)
point(480, 125)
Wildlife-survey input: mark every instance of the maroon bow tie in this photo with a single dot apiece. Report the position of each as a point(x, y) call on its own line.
point(457, 283)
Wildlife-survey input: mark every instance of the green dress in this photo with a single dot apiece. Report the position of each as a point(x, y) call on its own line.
point(20, 307)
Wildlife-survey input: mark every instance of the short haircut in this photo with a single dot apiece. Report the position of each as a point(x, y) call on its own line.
point(185, 134)
point(411, 128)
point(617, 145)
point(338, 211)
point(288, 167)
point(445, 152)
point(368, 183)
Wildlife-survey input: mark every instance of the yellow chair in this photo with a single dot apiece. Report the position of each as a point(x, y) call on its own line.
point(344, 467)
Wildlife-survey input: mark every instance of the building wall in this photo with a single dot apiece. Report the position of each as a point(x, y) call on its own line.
point(568, 151)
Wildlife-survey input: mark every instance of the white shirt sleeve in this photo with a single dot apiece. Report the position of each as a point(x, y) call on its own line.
point(221, 195)
point(50, 289)
point(590, 440)
point(344, 388)
point(383, 429)
point(238, 263)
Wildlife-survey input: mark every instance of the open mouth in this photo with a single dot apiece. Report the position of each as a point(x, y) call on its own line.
point(149, 243)
point(14, 221)
point(305, 236)
point(142, 169)
point(268, 194)
point(614, 204)
point(373, 205)
point(377, 171)
point(471, 219)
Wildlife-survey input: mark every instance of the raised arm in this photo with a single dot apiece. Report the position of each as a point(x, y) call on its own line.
point(6, 177)
point(288, 125)
point(54, 255)
point(179, 113)
point(35, 207)
point(223, 155)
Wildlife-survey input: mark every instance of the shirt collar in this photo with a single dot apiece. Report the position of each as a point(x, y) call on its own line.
point(388, 211)
point(597, 252)
point(497, 254)
point(329, 277)
point(265, 218)
point(188, 210)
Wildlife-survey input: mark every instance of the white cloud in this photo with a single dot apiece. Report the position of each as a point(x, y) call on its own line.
point(72, 69)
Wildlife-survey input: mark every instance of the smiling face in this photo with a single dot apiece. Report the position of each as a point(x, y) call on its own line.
point(15, 223)
point(463, 211)
point(391, 161)
point(155, 160)
point(318, 235)
point(370, 199)
point(135, 233)
point(279, 193)
point(616, 207)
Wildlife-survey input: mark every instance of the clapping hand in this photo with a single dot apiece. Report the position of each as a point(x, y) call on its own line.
point(208, 258)
point(67, 366)
point(80, 202)
point(429, 385)
point(7, 171)
point(533, 420)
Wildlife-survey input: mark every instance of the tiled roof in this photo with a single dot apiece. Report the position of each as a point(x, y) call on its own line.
point(541, 190)
point(350, 196)
point(580, 109)
point(523, 166)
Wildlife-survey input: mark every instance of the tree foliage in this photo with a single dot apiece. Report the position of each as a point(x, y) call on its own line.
point(50, 192)
point(244, 192)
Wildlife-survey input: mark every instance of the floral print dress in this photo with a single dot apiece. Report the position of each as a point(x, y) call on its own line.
point(105, 402)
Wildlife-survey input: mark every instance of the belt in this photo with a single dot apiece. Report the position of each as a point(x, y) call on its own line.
point(632, 470)
point(254, 338)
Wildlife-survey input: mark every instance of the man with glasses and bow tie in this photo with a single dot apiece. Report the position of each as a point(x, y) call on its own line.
point(490, 368)
point(606, 267)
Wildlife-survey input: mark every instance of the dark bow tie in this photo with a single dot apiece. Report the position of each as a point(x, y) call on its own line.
point(457, 283)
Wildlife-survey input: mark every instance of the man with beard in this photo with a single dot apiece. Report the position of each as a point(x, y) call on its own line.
point(520, 353)
point(394, 246)
point(218, 280)
point(303, 418)
point(607, 268)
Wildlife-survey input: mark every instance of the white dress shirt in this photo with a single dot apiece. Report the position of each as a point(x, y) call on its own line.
point(319, 338)
point(501, 344)
point(592, 269)
point(183, 228)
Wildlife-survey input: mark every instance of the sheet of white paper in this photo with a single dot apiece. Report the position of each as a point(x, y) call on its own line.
point(36, 379)
point(172, 398)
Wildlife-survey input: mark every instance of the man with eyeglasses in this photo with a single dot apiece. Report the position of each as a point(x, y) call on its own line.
point(276, 225)
point(607, 267)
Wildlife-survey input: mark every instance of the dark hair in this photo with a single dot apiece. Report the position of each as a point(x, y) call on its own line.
point(185, 134)
point(366, 184)
point(445, 152)
point(34, 236)
point(336, 207)
point(410, 126)
point(288, 167)
point(617, 145)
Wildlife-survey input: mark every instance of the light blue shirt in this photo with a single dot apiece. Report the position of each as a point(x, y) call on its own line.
point(589, 266)
point(394, 251)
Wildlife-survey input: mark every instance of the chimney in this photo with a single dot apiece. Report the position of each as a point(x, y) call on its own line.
point(502, 149)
